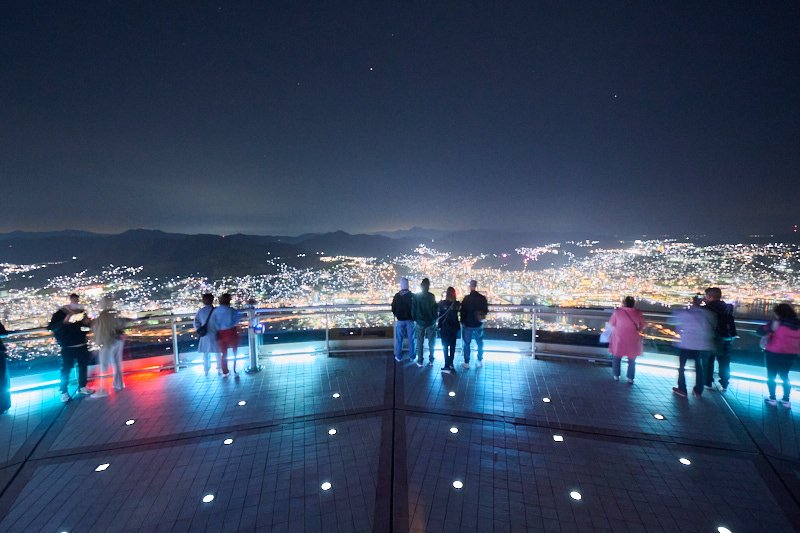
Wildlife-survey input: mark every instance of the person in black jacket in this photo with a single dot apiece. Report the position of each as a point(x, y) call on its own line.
point(5, 378)
point(723, 339)
point(404, 326)
point(449, 327)
point(69, 326)
point(473, 312)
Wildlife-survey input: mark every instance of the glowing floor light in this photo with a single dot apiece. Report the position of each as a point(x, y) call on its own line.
point(336, 394)
point(242, 403)
point(685, 461)
point(332, 431)
point(458, 484)
point(130, 422)
point(658, 416)
point(453, 430)
point(546, 400)
point(723, 529)
point(558, 438)
point(451, 394)
point(102, 467)
point(208, 498)
point(227, 442)
point(575, 495)
point(326, 486)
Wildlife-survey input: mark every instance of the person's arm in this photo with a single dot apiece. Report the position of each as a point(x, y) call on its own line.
point(394, 305)
point(484, 305)
point(3, 330)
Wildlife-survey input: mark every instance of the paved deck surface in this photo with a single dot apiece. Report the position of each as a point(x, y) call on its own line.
point(393, 459)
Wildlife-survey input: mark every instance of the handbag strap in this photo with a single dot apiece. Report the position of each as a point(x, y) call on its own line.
point(209, 316)
point(632, 320)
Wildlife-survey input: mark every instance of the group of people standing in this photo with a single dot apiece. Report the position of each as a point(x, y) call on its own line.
point(707, 330)
point(216, 328)
point(418, 318)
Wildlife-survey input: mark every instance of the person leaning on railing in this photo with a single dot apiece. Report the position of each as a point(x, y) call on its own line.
point(5, 378)
point(69, 326)
point(781, 348)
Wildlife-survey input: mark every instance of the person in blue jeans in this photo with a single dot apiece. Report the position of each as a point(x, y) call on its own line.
point(473, 312)
point(424, 311)
point(404, 326)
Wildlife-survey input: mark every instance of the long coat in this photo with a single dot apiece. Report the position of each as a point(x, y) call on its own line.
point(625, 340)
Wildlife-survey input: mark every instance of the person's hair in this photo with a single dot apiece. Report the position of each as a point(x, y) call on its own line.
point(785, 311)
point(225, 299)
point(74, 296)
point(697, 299)
point(106, 303)
point(425, 282)
point(473, 284)
point(450, 294)
point(714, 292)
point(208, 298)
point(629, 301)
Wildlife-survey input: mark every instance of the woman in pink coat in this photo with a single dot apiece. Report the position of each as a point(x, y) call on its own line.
point(627, 322)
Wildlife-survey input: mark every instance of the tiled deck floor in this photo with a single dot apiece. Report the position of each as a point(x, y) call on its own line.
point(393, 459)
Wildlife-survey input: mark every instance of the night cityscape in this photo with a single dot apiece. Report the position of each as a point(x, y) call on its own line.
point(389, 267)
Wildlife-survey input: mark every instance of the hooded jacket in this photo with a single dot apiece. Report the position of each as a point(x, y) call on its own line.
point(401, 305)
point(784, 336)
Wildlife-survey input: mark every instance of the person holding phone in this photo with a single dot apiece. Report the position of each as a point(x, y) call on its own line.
point(69, 326)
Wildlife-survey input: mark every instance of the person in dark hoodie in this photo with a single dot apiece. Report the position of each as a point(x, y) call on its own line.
point(424, 312)
point(449, 327)
point(5, 378)
point(781, 350)
point(473, 312)
point(69, 326)
point(404, 326)
point(725, 334)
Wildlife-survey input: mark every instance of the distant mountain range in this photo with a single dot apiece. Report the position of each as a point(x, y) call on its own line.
point(162, 253)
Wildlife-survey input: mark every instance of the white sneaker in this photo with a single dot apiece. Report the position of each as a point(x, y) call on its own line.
point(480, 364)
point(226, 374)
point(786, 403)
point(65, 397)
point(630, 382)
point(420, 364)
point(86, 391)
point(465, 365)
point(615, 378)
point(100, 394)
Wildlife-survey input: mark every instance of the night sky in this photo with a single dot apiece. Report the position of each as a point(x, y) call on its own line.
point(275, 118)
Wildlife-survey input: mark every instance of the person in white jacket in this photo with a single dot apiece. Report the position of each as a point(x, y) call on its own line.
point(696, 326)
point(109, 329)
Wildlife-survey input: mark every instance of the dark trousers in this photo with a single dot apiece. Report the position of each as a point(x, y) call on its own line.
point(778, 364)
point(69, 356)
point(698, 357)
point(449, 346)
point(722, 354)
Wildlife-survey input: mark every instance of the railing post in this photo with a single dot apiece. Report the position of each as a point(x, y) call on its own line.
point(533, 332)
point(327, 333)
point(175, 354)
point(251, 342)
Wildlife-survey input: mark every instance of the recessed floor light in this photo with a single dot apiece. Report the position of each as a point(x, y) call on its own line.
point(723, 529)
point(332, 431)
point(685, 461)
point(326, 486)
point(208, 498)
point(458, 485)
point(451, 394)
point(658, 416)
point(102, 467)
point(336, 394)
point(453, 430)
point(227, 442)
point(242, 403)
point(575, 495)
point(546, 400)
point(130, 422)
point(558, 438)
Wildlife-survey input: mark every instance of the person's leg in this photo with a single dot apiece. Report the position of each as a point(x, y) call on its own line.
point(223, 352)
point(444, 340)
point(103, 358)
point(67, 362)
point(399, 332)
point(206, 362)
point(708, 375)
point(453, 351)
point(233, 342)
point(218, 357)
point(116, 361)
point(419, 342)
point(699, 372)
point(466, 337)
point(772, 370)
point(479, 342)
point(724, 362)
point(784, 369)
point(431, 333)
point(631, 368)
point(616, 363)
point(684, 354)
point(83, 356)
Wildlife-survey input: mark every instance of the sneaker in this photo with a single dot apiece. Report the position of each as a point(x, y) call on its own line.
point(398, 359)
point(723, 389)
point(465, 365)
point(65, 397)
point(708, 387)
point(86, 391)
point(786, 403)
point(420, 365)
point(770, 401)
point(446, 370)
point(630, 381)
point(480, 364)
point(615, 378)
point(430, 363)
point(226, 374)
point(452, 369)
point(100, 394)
point(679, 392)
